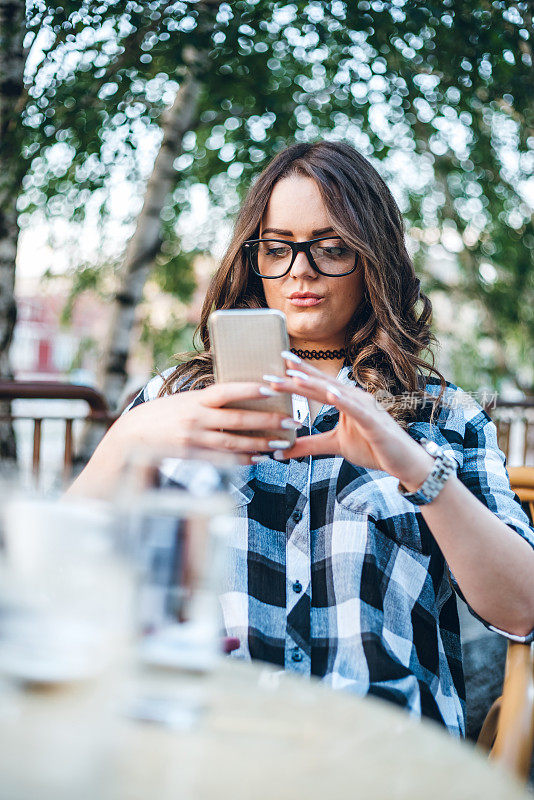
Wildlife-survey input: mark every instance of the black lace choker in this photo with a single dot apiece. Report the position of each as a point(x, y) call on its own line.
point(326, 354)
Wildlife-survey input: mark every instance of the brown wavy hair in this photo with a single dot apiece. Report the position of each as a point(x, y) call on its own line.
point(389, 334)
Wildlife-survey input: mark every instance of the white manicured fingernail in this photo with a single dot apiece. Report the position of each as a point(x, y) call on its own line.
point(279, 455)
point(280, 444)
point(290, 424)
point(273, 379)
point(295, 373)
point(334, 390)
point(289, 356)
point(259, 459)
point(267, 392)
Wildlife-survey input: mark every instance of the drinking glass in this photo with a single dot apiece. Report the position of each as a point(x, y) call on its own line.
point(66, 591)
point(178, 510)
point(66, 585)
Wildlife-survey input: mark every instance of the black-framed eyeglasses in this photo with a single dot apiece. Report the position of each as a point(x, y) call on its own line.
point(328, 255)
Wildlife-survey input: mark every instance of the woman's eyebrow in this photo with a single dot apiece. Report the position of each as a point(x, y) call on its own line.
point(318, 232)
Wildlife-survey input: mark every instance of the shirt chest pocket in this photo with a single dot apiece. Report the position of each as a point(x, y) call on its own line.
point(241, 487)
point(240, 500)
point(389, 515)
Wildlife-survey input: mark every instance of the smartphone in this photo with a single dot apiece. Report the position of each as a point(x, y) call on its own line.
point(247, 344)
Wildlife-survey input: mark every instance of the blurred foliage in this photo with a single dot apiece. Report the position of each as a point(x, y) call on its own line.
point(438, 95)
point(473, 368)
point(173, 273)
point(172, 339)
point(86, 346)
point(173, 270)
point(85, 278)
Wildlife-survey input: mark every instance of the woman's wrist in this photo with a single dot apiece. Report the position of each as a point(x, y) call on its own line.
point(417, 468)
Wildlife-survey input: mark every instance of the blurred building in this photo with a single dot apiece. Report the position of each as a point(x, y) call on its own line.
point(46, 348)
point(42, 346)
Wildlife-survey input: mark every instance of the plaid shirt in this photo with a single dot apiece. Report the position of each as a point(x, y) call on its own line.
point(335, 574)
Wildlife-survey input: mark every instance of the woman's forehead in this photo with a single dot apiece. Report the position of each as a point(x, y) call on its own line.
point(296, 201)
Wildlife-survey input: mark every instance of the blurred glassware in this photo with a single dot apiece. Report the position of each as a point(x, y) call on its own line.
point(68, 570)
point(65, 589)
point(179, 510)
point(66, 599)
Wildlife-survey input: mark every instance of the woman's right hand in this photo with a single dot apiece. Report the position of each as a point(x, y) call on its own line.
point(185, 419)
point(197, 418)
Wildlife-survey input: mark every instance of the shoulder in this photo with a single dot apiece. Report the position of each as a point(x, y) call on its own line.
point(457, 409)
point(459, 424)
point(150, 390)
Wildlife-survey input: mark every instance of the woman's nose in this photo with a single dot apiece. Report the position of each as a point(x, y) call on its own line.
point(302, 267)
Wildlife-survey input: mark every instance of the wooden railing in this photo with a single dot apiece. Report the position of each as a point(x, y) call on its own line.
point(55, 390)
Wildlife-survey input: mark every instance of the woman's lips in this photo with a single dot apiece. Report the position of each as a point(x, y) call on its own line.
point(305, 301)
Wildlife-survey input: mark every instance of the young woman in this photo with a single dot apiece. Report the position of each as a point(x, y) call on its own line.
point(347, 547)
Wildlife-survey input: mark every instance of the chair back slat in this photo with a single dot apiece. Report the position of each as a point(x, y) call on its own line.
point(36, 457)
point(528, 440)
point(67, 459)
point(503, 435)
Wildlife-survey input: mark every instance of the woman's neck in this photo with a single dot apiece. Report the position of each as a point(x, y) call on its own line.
point(330, 367)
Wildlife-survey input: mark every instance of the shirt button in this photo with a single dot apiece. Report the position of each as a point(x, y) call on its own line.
point(297, 587)
point(297, 516)
point(296, 655)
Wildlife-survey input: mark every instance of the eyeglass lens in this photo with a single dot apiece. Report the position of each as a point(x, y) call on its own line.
point(272, 258)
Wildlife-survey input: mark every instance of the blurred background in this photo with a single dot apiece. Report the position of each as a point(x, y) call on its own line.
point(130, 131)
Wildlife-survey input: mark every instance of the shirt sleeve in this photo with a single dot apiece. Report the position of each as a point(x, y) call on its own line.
point(484, 473)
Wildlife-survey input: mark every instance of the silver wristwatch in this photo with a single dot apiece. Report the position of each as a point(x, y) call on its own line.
point(431, 487)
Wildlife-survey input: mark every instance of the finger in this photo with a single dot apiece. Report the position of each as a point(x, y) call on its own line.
point(311, 376)
point(298, 363)
point(318, 444)
point(309, 387)
point(236, 419)
point(353, 406)
point(220, 440)
point(354, 402)
point(221, 393)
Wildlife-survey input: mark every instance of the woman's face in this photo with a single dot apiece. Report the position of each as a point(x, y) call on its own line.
point(296, 212)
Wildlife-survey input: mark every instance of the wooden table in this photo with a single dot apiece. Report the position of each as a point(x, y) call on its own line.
point(262, 734)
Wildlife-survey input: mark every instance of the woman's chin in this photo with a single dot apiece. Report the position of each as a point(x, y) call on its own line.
point(307, 333)
point(306, 319)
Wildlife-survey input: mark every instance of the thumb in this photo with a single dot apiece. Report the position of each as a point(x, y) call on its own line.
point(320, 444)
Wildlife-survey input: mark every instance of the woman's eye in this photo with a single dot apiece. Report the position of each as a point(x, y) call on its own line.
point(334, 252)
point(276, 252)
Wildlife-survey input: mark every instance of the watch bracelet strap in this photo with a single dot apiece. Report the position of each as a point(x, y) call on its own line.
point(433, 484)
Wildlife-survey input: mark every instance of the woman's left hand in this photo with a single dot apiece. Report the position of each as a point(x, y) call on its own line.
point(366, 435)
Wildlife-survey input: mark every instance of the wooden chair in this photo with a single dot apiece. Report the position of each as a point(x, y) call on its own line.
point(508, 730)
point(54, 390)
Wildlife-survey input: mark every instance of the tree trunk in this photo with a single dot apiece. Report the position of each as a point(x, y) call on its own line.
point(12, 31)
point(142, 249)
point(145, 243)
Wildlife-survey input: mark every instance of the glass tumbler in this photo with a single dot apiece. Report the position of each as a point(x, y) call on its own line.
point(66, 594)
point(178, 510)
